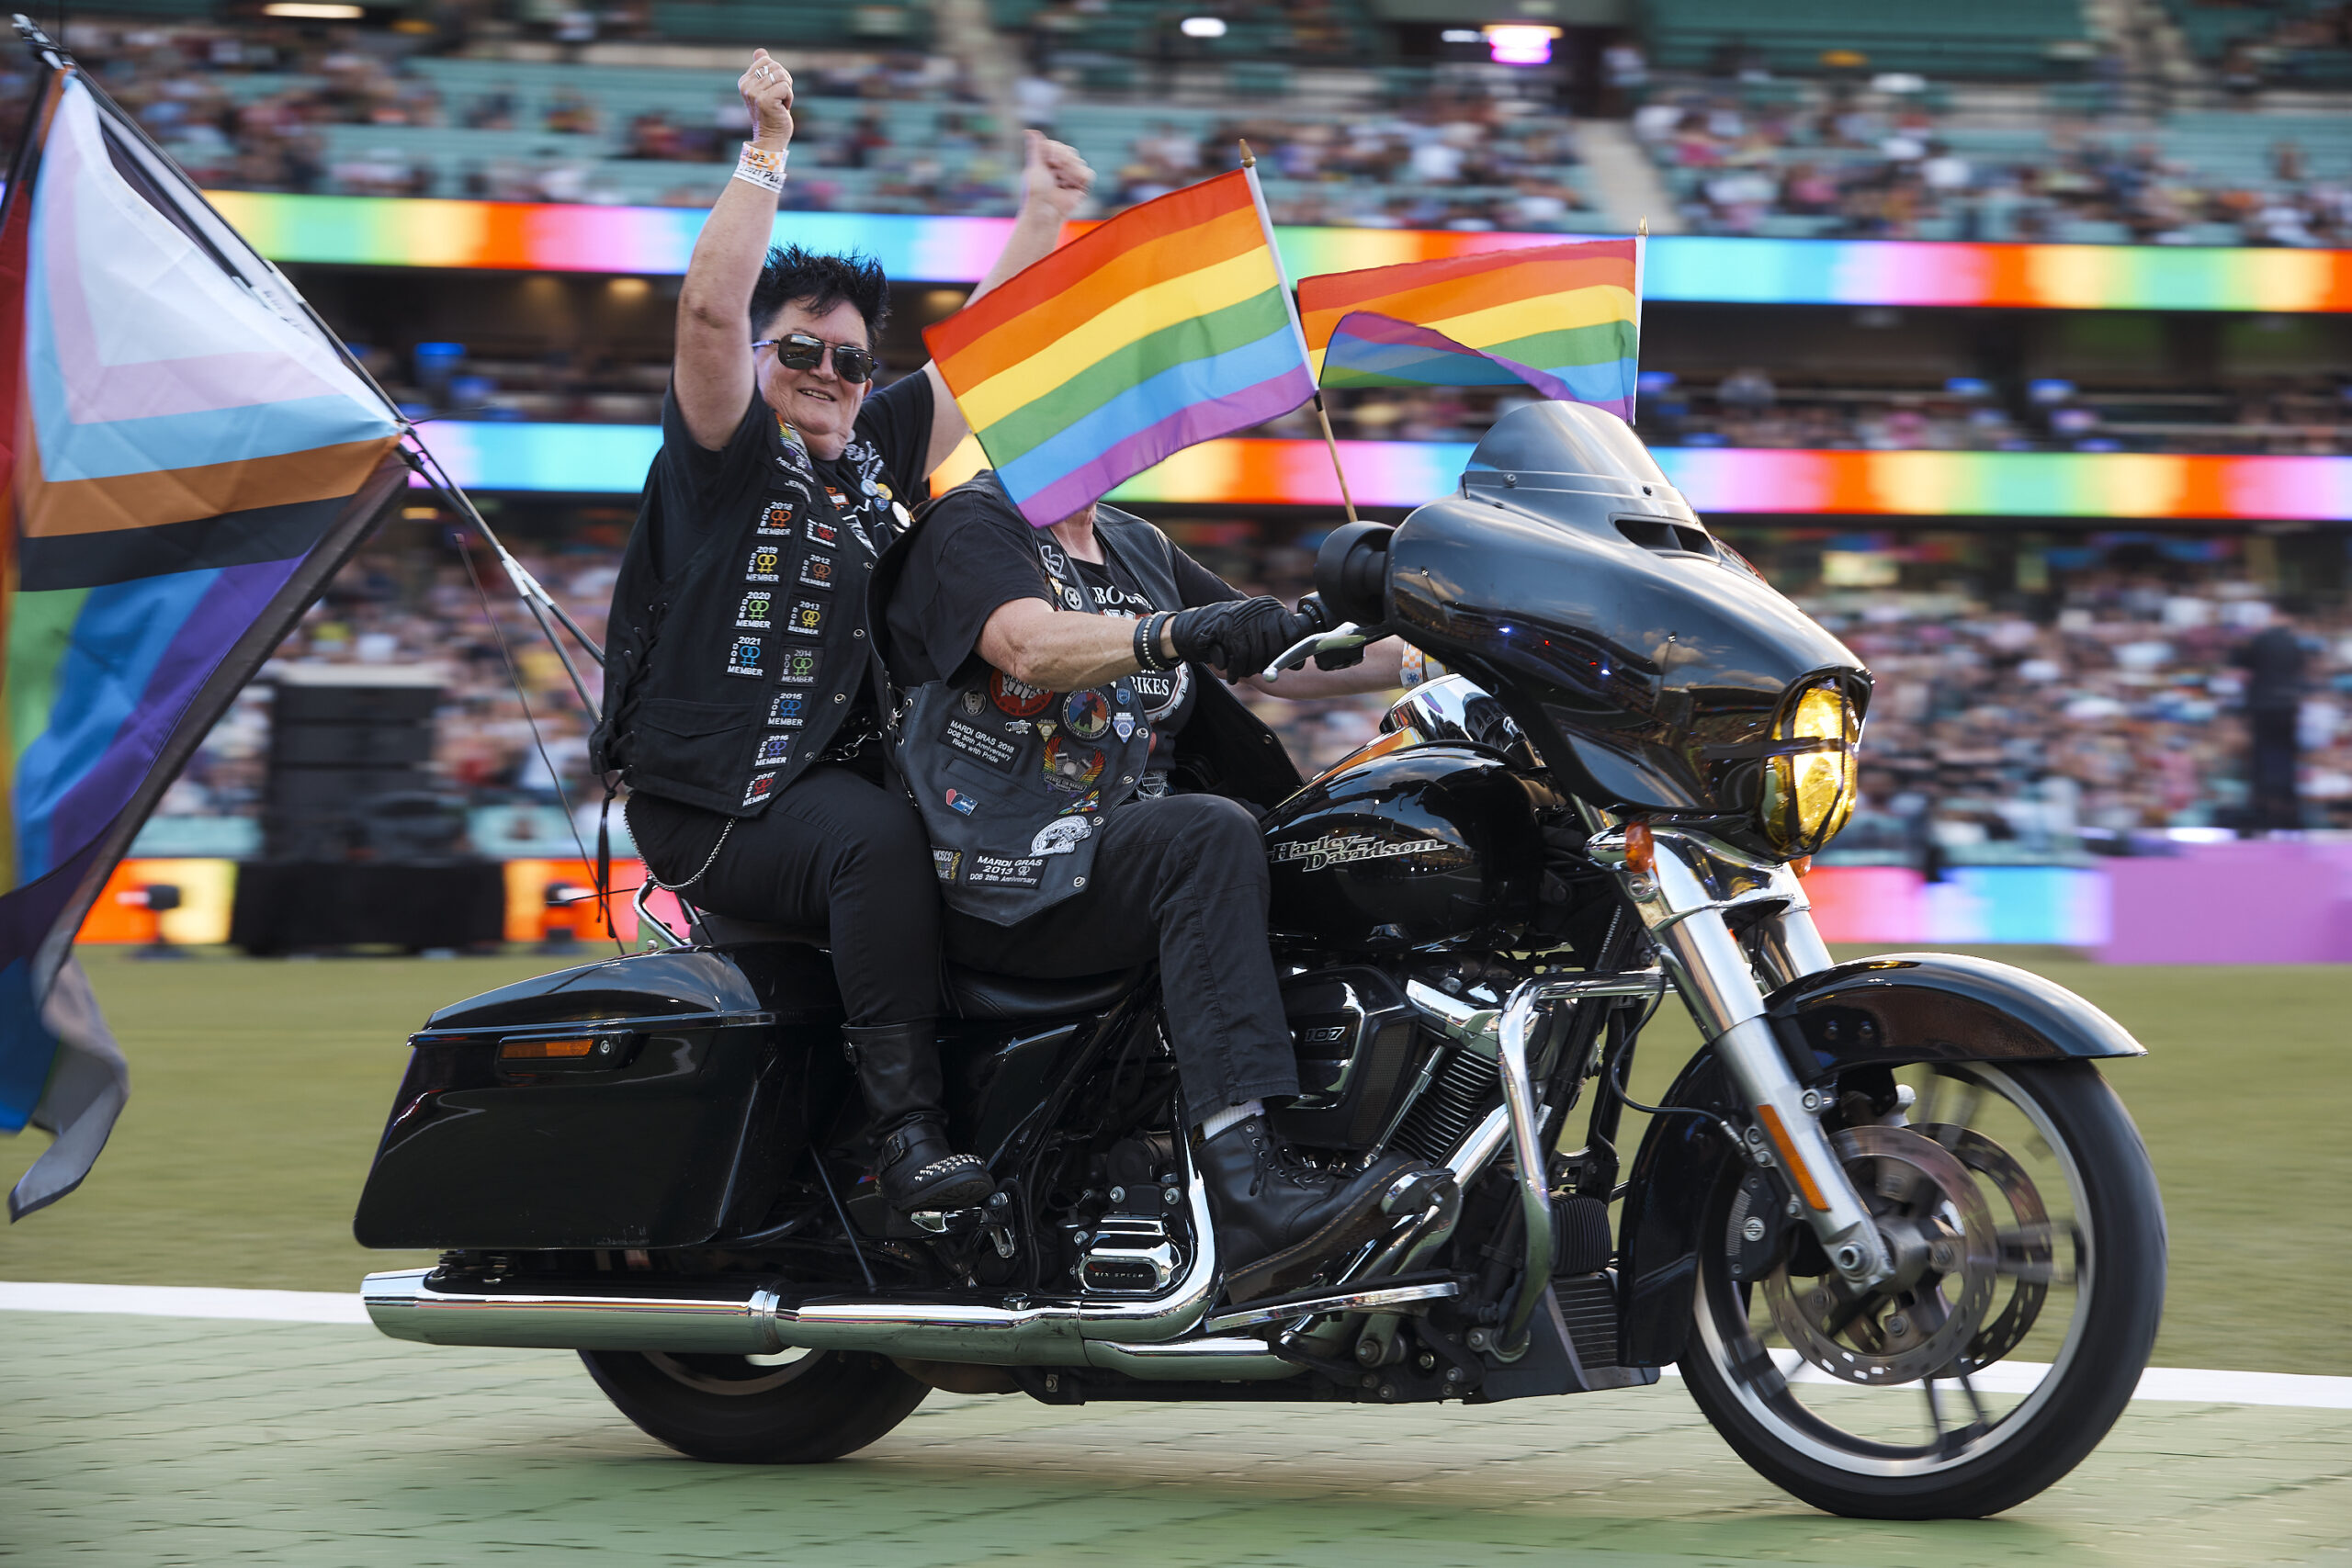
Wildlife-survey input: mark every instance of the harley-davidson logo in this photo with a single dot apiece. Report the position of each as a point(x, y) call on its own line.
point(1347, 849)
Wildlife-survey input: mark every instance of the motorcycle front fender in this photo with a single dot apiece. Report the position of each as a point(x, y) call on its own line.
point(1901, 1007)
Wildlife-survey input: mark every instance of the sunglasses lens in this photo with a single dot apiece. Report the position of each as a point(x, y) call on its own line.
point(800, 352)
point(853, 364)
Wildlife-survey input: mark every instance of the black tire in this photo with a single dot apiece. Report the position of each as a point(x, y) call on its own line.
point(2118, 1283)
point(732, 1410)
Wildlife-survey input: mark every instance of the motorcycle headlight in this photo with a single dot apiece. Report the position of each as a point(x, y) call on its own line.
point(1810, 779)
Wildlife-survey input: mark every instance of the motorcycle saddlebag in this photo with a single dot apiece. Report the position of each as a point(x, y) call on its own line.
point(646, 1101)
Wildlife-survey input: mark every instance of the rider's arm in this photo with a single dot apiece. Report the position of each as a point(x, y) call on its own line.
point(1032, 641)
point(712, 374)
point(1054, 180)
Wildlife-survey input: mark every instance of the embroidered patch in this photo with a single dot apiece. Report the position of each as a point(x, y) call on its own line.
point(1161, 690)
point(764, 565)
point(817, 571)
point(978, 744)
point(806, 619)
point(753, 610)
point(743, 658)
point(1124, 723)
point(1018, 698)
point(1061, 836)
point(799, 667)
point(775, 519)
point(1090, 801)
point(946, 861)
point(959, 802)
point(774, 749)
point(762, 786)
point(820, 532)
point(1088, 715)
point(1070, 766)
point(788, 710)
point(1055, 561)
point(1004, 871)
point(839, 500)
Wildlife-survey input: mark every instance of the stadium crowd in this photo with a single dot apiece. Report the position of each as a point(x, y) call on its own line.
point(1992, 736)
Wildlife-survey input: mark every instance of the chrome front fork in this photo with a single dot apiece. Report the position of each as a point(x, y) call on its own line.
point(1682, 894)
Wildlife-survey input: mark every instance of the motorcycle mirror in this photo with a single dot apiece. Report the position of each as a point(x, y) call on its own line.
point(1352, 572)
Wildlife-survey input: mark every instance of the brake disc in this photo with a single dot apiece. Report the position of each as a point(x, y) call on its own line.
point(1948, 1257)
point(2027, 1255)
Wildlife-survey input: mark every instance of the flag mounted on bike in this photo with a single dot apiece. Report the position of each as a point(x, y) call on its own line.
point(1563, 319)
point(187, 460)
point(1165, 326)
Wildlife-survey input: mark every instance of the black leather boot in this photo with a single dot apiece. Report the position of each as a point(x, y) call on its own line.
point(1279, 1219)
point(898, 1068)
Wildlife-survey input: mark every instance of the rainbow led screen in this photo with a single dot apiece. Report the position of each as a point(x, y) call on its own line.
point(655, 241)
point(611, 459)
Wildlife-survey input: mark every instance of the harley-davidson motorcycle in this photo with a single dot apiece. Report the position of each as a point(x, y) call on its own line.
point(1899, 1239)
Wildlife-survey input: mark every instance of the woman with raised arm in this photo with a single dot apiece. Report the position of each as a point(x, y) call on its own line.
point(739, 678)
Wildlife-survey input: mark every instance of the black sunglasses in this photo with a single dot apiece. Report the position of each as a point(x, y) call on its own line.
point(798, 351)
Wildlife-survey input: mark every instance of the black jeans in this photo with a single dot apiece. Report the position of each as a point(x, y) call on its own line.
point(1181, 879)
point(836, 852)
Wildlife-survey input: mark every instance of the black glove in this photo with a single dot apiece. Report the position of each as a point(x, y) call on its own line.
point(1238, 638)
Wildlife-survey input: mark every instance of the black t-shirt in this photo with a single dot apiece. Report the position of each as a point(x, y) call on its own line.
point(702, 490)
point(970, 561)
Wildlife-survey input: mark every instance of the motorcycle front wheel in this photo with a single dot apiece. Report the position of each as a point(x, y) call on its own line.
point(803, 1407)
point(2023, 1200)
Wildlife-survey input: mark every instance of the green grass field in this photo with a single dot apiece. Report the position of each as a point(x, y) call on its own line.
point(259, 1089)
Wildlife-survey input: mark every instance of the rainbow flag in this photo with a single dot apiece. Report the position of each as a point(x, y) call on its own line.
point(1166, 325)
point(184, 459)
point(1565, 320)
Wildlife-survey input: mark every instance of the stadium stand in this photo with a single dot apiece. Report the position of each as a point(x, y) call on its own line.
point(1988, 39)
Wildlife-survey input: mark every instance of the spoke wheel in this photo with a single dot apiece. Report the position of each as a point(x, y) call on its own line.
point(802, 1408)
point(2030, 1244)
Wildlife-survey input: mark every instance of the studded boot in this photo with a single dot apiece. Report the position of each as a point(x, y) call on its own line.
point(1279, 1219)
point(898, 1069)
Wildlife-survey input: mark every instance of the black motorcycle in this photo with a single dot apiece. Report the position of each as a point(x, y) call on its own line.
point(1902, 1243)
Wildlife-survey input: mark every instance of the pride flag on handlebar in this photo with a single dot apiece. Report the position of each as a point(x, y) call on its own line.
point(186, 458)
point(1166, 325)
point(1564, 319)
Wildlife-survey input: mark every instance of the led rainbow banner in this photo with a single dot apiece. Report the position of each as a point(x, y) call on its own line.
point(656, 241)
point(611, 459)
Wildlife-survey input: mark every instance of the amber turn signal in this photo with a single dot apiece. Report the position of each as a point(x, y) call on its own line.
point(545, 1050)
point(1641, 849)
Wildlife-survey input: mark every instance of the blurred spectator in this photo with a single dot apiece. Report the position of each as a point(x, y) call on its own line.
point(2273, 660)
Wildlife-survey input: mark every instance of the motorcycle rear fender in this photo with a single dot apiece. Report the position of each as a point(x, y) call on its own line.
point(1901, 1007)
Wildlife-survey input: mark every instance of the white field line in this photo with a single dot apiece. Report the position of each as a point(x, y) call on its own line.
point(2186, 1384)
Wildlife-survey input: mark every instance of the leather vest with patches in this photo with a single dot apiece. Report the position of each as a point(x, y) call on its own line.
point(723, 684)
point(1012, 781)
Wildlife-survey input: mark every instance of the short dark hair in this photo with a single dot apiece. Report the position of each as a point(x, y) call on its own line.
point(817, 283)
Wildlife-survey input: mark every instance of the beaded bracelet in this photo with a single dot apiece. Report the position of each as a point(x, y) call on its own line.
point(1147, 642)
point(760, 167)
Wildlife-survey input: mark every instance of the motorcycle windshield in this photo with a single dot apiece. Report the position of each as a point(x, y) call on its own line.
point(1646, 661)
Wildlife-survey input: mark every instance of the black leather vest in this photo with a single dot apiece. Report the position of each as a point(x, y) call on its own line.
point(1011, 780)
point(725, 682)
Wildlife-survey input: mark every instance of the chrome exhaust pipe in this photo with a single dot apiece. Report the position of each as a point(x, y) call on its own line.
point(759, 1320)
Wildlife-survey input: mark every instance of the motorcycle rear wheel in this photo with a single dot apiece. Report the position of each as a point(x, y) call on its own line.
point(734, 1410)
point(2085, 1230)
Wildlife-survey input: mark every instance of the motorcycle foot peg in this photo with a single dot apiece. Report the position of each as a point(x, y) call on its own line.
point(1414, 1192)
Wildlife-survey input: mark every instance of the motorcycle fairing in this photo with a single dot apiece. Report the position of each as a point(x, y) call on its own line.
point(1916, 1005)
point(1644, 660)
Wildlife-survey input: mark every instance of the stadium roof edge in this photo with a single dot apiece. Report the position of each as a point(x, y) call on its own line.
point(656, 242)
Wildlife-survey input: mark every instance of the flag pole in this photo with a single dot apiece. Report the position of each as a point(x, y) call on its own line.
point(1330, 443)
point(1641, 255)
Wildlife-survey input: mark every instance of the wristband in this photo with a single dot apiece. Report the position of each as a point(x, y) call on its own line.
point(1417, 668)
point(1147, 642)
point(760, 167)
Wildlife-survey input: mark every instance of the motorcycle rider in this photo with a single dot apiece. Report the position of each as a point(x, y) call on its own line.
point(1064, 729)
point(738, 695)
